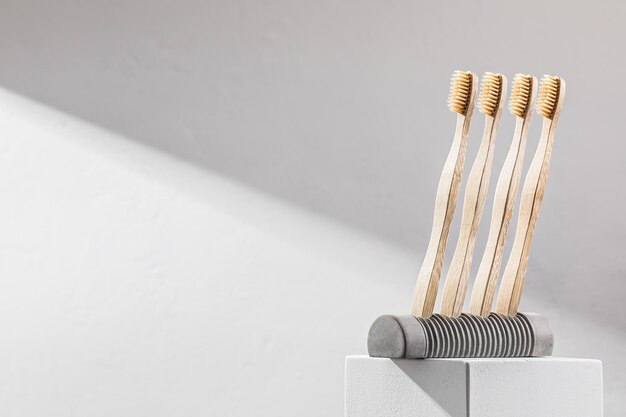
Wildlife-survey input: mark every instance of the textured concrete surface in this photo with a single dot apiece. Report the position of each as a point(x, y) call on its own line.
point(468, 336)
point(520, 387)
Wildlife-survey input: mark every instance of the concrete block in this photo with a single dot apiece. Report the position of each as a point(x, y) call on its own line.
point(493, 387)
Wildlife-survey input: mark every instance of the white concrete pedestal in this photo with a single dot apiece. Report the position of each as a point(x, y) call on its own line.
point(524, 387)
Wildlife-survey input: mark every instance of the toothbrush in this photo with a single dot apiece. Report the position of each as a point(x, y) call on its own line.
point(521, 106)
point(460, 101)
point(550, 102)
point(491, 103)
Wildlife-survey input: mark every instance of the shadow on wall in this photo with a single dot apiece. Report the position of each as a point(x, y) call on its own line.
point(340, 108)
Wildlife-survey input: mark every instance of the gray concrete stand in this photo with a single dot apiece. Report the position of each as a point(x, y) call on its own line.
point(494, 387)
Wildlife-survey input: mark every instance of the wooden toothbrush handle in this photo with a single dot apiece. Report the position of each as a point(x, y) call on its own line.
point(425, 292)
point(507, 187)
point(510, 292)
point(475, 194)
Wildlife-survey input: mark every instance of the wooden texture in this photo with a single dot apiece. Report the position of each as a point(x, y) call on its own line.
point(427, 284)
point(510, 292)
point(455, 285)
point(507, 188)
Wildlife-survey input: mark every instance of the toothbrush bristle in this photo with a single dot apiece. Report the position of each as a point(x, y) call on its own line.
point(490, 93)
point(520, 95)
point(460, 91)
point(548, 95)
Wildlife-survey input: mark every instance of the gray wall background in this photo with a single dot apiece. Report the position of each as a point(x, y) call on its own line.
point(339, 108)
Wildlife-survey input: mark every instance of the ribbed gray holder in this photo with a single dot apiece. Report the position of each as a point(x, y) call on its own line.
point(466, 336)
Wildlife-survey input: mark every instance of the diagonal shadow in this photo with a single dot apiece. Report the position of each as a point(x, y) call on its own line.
point(439, 379)
point(340, 108)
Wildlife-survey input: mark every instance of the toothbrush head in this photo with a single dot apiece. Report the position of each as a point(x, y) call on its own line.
point(549, 92)
point(521, 95)
point(491, 89)
point(460, 92)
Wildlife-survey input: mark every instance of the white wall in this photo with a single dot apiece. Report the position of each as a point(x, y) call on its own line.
point(135, 284)
point(205, 204)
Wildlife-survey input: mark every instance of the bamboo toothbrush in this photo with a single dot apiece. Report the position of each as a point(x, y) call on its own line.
point(460, 101)
point(491, 102)
point(550, 102)
point(520, 105)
